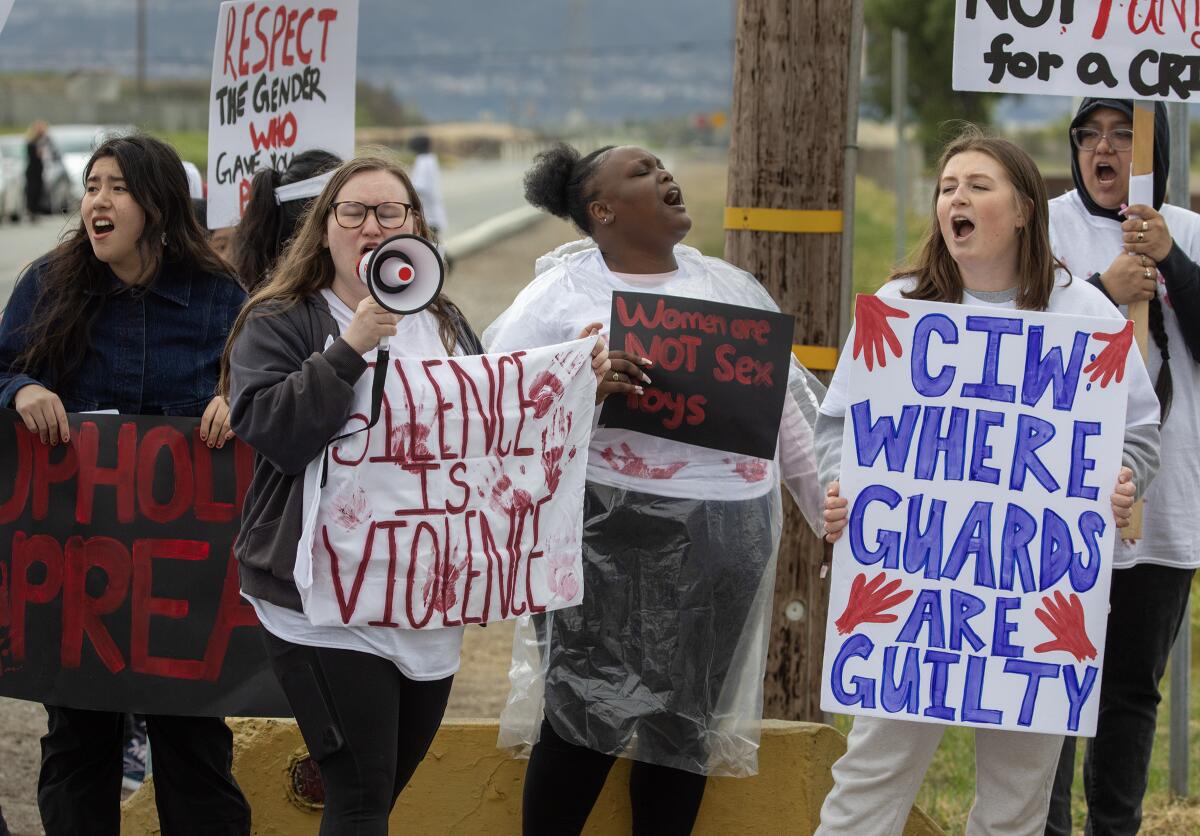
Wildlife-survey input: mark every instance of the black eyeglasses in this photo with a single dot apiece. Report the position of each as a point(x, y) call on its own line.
point(350, 214)
point(1088, 139)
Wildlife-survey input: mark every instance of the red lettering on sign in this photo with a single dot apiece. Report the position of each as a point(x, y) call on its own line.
point(46, 474)
point(22, 476)
point(40, 549)
point(145, 605)
point(121, 477)
point(326, 16)
point(81, 612)
point(233, 612)
point(153, 442)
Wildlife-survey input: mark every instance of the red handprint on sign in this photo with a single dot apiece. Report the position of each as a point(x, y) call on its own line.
point(869, 602)
point(871, 329)
point(1064, 619)
point(1111, 361)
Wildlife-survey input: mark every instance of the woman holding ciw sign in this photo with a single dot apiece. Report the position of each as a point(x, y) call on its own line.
point(663, 661)
point(988, 245)
point(1147, 253)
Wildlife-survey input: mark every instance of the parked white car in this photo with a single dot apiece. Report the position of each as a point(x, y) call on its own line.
point(75, 144)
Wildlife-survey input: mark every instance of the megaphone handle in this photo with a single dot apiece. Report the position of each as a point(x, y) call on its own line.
point(382, 361)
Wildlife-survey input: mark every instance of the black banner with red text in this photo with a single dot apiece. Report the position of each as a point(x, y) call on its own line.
point(118, 587)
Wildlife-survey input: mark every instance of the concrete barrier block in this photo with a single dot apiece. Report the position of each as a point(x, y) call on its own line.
point(467, 786)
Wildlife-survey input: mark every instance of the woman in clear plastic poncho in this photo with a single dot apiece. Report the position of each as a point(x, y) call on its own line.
point(663, 661)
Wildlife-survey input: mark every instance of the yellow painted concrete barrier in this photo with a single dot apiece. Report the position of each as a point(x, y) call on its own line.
point(467, 786)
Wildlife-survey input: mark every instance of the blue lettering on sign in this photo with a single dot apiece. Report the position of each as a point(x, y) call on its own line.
point(923, 545)
point(1034, 672)
point(937, 385)
point(1018, 532)
point(884, 434)
point(1041, 371)
point(974, 538)
point(1080, 463)
point(973, 710)
point(1000, 644)
point(963, 607)
point(933, 443)
point(1077, 692)
point(904, 694)
point(940, 662)
point(981, 451)
point(887, 542)
point(1032, 434)
point(988, 388)
point(861, 690)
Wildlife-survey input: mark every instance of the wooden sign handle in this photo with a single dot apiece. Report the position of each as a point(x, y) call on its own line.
point(1139, 312)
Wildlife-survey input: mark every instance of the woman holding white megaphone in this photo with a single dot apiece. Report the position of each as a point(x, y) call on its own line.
point(368, 699)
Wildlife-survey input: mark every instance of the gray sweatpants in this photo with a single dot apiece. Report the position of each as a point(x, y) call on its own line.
point(877, 779)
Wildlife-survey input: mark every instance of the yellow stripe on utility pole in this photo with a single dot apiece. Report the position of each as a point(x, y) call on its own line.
point(783, 220)
point(816, 357)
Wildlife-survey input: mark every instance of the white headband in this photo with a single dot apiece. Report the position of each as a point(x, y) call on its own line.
point(302, 189)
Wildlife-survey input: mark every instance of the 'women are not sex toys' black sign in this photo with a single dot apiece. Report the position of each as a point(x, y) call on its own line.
point(719, 377)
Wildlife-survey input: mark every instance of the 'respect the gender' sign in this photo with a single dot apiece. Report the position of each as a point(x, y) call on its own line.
point(282, 83)
point(980, 450)
point(1135, 49)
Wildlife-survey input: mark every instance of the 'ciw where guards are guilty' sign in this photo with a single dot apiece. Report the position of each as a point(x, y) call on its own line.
point(980, 450)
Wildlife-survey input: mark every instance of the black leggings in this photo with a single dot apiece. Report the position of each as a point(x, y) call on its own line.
point(563, 782)
point(365, 724)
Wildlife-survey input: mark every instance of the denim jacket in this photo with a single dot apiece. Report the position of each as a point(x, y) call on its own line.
point(151, 350)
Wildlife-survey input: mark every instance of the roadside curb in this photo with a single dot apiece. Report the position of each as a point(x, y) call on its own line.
point(492, 231)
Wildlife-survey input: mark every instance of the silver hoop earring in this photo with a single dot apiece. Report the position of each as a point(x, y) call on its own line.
point(164, 239)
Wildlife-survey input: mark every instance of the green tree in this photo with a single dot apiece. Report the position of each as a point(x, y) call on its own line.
point(929, 25)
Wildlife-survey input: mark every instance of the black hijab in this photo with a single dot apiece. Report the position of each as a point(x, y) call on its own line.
point(1162, 152)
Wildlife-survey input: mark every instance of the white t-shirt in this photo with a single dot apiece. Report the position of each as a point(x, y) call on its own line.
point(577, 291)
point(419, 654)
point(1087, 244)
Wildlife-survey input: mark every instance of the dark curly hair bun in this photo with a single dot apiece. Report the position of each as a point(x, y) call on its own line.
point(547, 181)
point(559, 183)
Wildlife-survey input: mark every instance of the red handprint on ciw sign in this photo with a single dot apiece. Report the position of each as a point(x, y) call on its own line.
point(1064, 618)
point(872, 330)
point(869, 602)
point(1111, 361)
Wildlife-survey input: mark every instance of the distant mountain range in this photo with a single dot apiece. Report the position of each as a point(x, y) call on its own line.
point(526, 61)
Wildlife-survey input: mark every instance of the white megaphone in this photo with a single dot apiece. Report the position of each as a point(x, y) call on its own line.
point(404, 273)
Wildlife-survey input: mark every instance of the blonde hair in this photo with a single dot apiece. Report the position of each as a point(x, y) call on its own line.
point(937, 274)
point(306, 266)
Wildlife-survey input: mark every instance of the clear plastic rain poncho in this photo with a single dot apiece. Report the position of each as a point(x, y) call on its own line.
point(664, 660)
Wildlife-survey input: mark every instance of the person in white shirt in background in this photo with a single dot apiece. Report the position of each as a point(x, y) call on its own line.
point(426, 178)
point(1145, 254)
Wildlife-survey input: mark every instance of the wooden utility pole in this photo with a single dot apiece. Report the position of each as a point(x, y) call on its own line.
point(789, 201)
